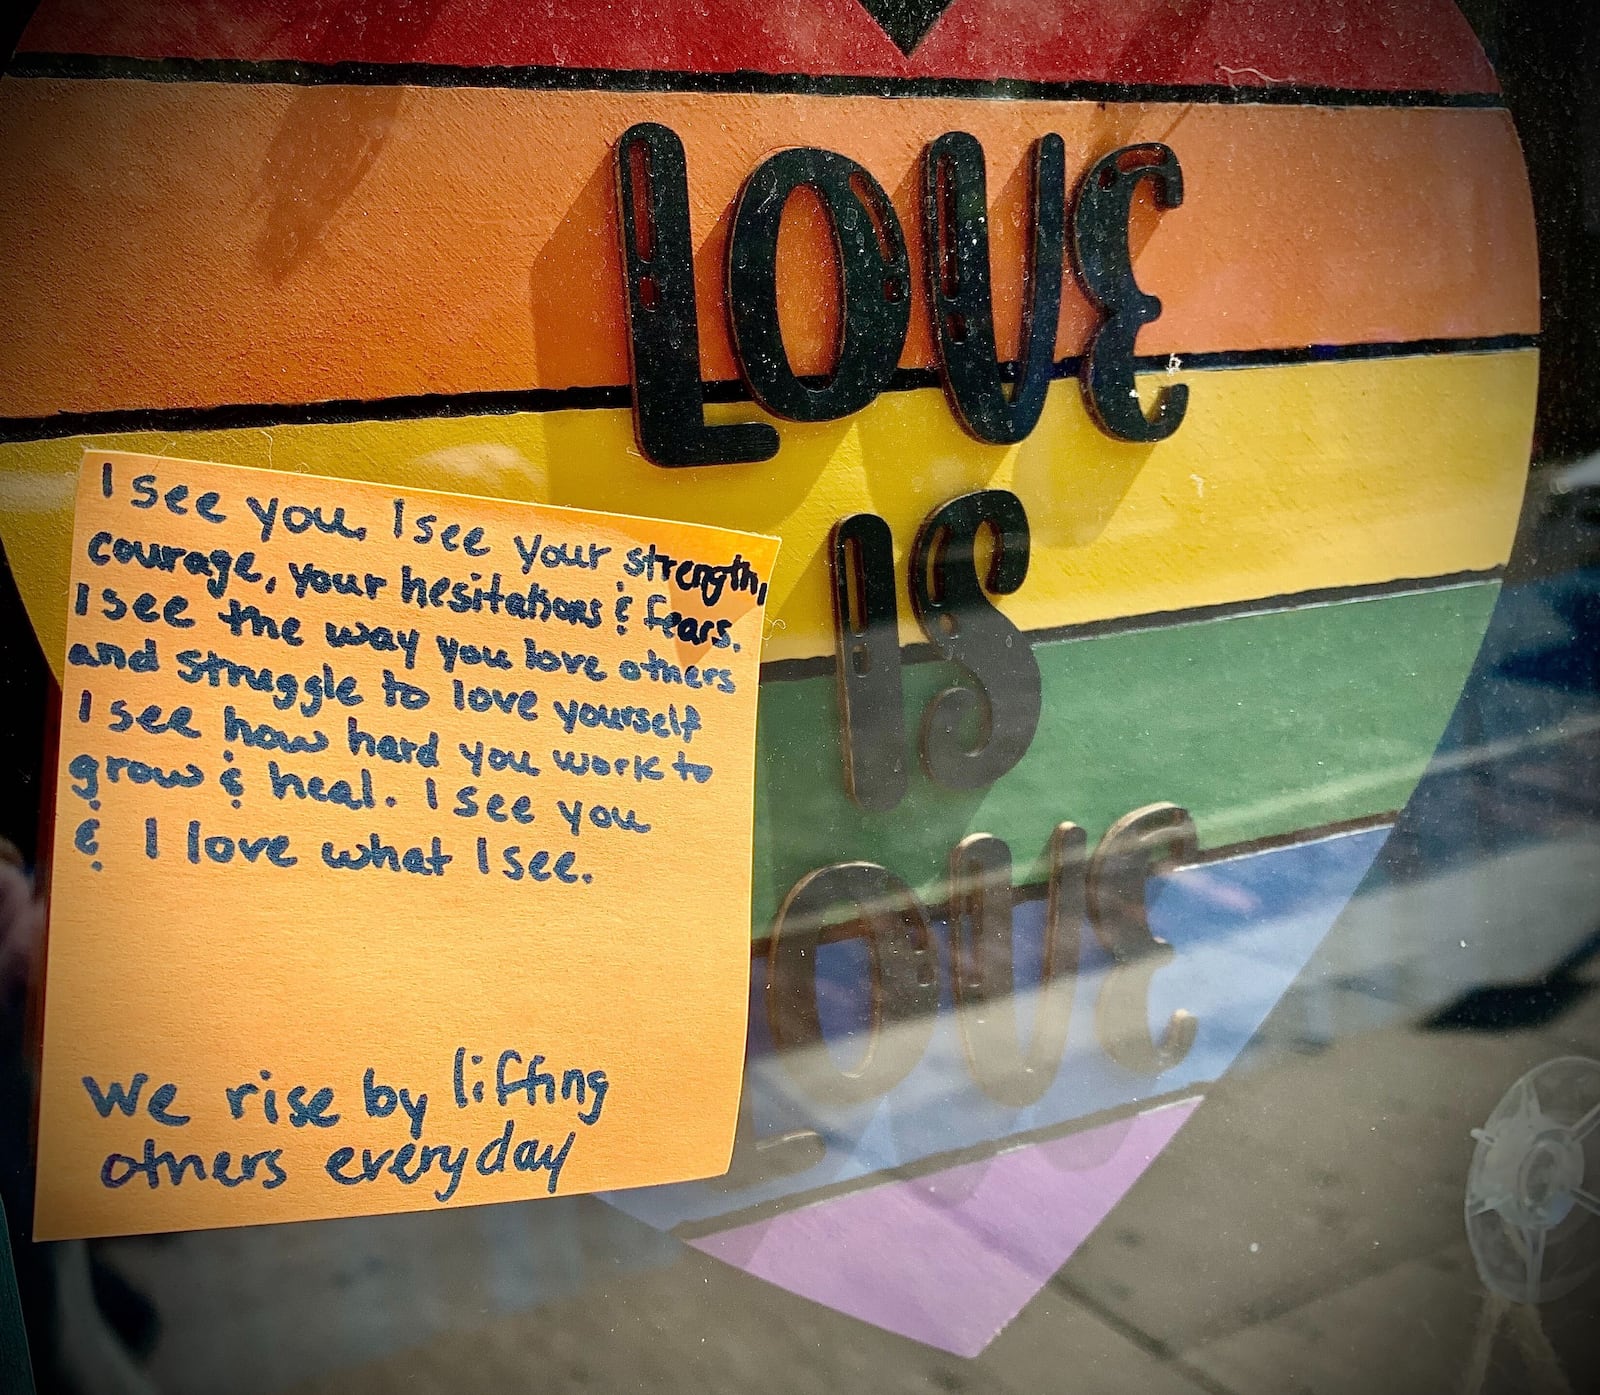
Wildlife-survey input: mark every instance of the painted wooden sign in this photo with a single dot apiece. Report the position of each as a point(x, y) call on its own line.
point(1142, 393)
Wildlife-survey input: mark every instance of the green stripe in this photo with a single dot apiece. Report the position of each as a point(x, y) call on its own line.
point(1257, 724)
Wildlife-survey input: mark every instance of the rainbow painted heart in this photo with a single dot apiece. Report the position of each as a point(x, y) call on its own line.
point(410, 271)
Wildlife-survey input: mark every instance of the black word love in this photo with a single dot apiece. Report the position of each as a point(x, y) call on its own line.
point(874, 288)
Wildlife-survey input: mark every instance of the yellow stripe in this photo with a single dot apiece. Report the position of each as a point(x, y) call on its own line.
point(1280, 480)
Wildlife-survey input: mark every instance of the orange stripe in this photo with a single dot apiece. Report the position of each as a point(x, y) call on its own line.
point(196, 244)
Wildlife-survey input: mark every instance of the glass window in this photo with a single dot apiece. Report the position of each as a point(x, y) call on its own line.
point(1173, 903)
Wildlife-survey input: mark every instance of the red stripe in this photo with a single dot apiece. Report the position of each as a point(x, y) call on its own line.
point(1372, 44)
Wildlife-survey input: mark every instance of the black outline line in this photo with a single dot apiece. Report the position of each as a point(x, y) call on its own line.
point(247, 416)
point(1273, 842)
point(823, 665)
point(936, 1162)
point(743, 81)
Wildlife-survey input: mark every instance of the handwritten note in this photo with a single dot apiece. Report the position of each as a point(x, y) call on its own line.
point(402, 851)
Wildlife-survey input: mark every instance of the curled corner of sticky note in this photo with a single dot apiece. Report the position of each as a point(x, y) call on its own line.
point(37, 533)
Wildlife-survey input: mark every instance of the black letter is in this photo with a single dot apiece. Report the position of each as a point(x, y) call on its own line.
point(949, 598)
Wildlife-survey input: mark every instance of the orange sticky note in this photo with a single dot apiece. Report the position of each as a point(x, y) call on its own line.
point(402, 852)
